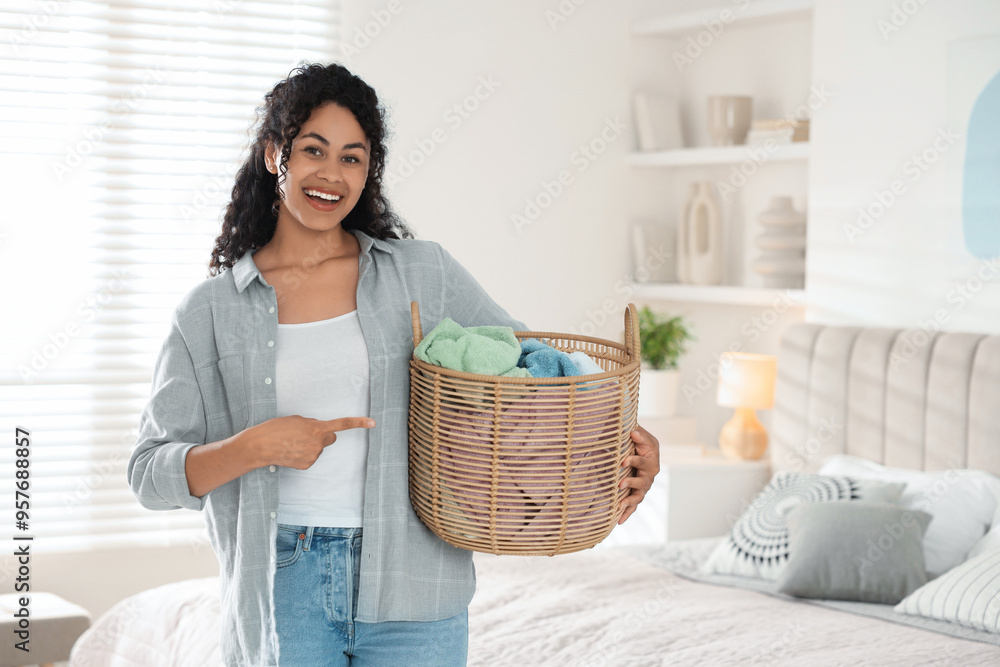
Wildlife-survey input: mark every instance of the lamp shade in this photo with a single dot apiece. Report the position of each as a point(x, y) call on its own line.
point(747, 380)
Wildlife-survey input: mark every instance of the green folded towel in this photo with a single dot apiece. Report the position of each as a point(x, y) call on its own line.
point(485, 350)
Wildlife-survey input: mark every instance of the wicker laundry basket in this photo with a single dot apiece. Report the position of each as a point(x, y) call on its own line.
point(527, 466)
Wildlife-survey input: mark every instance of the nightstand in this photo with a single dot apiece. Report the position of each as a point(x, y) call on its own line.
point(706, 492)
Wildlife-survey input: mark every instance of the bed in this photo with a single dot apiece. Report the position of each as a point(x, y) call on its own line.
point(920, 403)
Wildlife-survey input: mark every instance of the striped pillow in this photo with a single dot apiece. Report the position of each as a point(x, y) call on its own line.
point(968, 595)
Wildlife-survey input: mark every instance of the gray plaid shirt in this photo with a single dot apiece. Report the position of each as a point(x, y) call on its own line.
point(214, 377)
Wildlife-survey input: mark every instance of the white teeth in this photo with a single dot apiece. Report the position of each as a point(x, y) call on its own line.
point(322, 195)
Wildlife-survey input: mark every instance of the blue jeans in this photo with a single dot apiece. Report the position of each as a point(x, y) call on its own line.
point(316, 600)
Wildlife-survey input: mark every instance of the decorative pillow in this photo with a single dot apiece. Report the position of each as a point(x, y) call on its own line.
point(868, 552)
point(757, 546)
point(968, 595)
point(963, 503)
point(990, 541)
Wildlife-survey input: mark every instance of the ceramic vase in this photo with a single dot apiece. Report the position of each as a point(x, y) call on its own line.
point(638, 252)
point(782, 260)
point(699, 238)
point(683, 274)
point(729, 119)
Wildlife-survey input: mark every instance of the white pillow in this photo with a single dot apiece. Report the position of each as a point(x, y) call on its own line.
point(991, 540)
point(963, 503)
point(757, 546)
point(968, 595)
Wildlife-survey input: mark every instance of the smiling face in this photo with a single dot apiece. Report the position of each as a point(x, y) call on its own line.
point(326, 171)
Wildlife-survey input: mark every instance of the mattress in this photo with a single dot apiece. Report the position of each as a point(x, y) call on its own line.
point(623, 606)
point(647, 605)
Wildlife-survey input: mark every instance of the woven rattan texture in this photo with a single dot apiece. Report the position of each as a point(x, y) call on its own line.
point(526, 466)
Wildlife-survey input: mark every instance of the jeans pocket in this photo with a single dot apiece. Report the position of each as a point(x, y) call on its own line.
point(288, 546)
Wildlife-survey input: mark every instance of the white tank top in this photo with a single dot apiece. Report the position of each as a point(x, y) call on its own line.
point(322, 372)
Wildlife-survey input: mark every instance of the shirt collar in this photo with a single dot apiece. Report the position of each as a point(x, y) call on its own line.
point(245, 269)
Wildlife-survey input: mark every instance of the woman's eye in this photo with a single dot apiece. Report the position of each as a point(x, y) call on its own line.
point(351, 158)
point(313, 148)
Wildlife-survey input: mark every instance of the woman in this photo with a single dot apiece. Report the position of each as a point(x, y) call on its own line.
point(280, 399)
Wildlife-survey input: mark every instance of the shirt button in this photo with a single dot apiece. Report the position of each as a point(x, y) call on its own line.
point(273, 468)
point(270, 343)
point(274, 514)
point(271, 309)
point(267, 380)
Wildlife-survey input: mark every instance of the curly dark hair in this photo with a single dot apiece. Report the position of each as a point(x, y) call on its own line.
point(252, 213)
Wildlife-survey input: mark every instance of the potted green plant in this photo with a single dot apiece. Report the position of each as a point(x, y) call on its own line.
point(663, 340)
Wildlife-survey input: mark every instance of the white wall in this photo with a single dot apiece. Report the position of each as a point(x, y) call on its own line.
point(555, 90)
point(905, 79)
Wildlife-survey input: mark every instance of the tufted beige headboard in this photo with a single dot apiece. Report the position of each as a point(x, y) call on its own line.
point(906, 398)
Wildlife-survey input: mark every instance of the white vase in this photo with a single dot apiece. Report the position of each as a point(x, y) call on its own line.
point(782, 262)
point(683, 259)
point(658, 391)
point(702, 237)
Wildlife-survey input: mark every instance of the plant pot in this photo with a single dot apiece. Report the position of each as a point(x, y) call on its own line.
point(658, 392)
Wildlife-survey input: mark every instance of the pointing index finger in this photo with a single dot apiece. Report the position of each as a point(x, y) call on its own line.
point(346, 423)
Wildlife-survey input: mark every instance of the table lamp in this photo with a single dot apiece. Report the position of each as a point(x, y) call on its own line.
point(746, 383)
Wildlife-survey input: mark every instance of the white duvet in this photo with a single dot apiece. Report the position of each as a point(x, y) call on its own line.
point(605, 607)
point(597, 607)
point(175, 624)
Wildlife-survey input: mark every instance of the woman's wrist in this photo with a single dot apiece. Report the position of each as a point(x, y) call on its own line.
point(253, 446)
point(211, 465)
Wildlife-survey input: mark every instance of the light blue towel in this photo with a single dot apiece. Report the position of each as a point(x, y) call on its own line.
point(584, 363)
point(545, 361)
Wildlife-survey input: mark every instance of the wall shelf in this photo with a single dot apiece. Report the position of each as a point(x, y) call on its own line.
point(724, 294)
point(686, 157)
point(680, 24)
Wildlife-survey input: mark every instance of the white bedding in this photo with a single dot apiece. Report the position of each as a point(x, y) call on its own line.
point(604, 606)
point(607, 607)
point(172, 625)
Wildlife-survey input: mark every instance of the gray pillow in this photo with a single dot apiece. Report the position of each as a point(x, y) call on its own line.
point(757, 545)
point(868, 552)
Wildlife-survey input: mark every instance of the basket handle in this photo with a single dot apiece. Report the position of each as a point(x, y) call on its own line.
point(418, 335)
point(633, 346)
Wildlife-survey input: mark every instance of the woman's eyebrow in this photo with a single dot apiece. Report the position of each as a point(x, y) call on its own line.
point(327, 143)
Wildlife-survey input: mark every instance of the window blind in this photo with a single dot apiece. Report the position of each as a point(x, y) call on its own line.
point(123, 124)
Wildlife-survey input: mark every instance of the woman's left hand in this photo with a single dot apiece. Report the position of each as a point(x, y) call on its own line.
point(645, 464)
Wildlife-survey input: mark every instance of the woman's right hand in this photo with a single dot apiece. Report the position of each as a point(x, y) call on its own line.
point(296, 442)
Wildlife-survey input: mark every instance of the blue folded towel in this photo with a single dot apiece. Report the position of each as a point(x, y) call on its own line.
point(544, 361)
